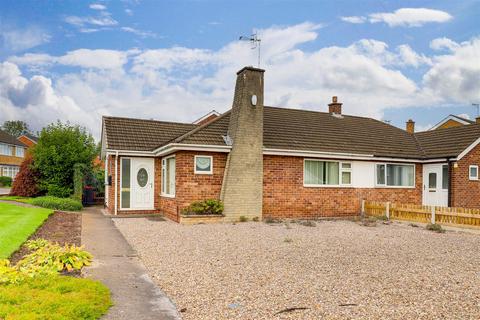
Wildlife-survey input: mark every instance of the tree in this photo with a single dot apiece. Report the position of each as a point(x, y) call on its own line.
point(25, 183)
point(16, 127)
point(61, 146)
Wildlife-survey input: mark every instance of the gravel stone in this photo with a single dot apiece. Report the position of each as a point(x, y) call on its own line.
point(335, 270)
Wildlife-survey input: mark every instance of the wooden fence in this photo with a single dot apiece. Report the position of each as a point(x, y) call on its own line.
point(425, 214)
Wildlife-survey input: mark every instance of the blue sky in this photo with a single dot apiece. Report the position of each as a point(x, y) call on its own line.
point(176, 60)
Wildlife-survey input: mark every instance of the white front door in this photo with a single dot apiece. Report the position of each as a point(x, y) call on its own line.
point(435, 184)
point(142, 183)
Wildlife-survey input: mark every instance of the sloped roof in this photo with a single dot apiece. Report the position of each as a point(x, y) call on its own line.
point(448, 142)
point(9, 139)
point(302, 130)
point(140, 134)
point(295, 129)
point(31, 137)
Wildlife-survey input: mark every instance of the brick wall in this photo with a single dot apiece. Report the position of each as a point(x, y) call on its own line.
point(465, 192)
point(192, 187)
point(284, 195)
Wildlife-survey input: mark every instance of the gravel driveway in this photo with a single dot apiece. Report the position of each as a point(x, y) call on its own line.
point(335, 270)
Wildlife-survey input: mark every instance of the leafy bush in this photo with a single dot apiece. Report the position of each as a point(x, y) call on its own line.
point(53, 258)
point(58, 191)
point(60, 147)
point(5, 181)
point(210, 206)
point(435, 228)
point(243, 219)
point(46, 259)
point(26, 181)
point(57, 203)
point(308, 223)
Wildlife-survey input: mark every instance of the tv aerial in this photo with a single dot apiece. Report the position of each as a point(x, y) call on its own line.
point(255, 42)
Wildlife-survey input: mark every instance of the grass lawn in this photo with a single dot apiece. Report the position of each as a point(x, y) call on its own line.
point(17, 224)
point(55, 297)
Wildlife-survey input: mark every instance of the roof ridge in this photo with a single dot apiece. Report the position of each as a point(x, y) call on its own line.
point(150, 120)
point(195, 130)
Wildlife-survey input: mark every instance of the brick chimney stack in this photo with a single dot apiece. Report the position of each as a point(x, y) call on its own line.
point(242, 186)
point(410, 126)
point(335, 106)
point(477, 120)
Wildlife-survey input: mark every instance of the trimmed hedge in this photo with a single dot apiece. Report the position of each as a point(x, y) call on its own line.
point(5, 181)
point(57, 203)
point(205, 207)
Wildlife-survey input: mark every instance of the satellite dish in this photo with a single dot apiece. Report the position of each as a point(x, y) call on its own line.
point(254, 100)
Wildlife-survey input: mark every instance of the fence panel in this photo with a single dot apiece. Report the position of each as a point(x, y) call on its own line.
point(418, 213)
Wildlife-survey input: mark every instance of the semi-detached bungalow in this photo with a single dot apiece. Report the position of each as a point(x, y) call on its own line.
point(265, 161)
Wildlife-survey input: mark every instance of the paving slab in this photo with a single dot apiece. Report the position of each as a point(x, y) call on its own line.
point(116, 264)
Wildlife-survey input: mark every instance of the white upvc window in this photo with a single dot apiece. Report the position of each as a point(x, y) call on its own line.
point(19, 151)
point(318, 173)
point(9, 171)
point(473, 172)
point(203, 165)
point(395, 175)
point(168, 177)
point(6, 149)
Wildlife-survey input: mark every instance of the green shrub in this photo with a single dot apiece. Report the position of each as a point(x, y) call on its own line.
point(54, 297)
point(54, 258)
point(57, 203)
point(210, 206)
point(243, 219)
point(435, 228)
point(58, 191)
point(5, 181)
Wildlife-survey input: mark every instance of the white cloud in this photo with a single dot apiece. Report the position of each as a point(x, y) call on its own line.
point(464, 116)
point(104, 19)
point(97, 6)
point(129, 12)
point(409, 57)
point(456, 76)
point(141, 33)
point(35, 100)
point(443, 44)
point(354, 19)
point(407, 17)
point(182, 84)
point(13, 40)
point(84, 58)
point(410, 17)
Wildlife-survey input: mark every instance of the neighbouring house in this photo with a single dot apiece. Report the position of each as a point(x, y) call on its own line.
point(453, 121)
point(12, 153)
point(28, 139)
point(264, 161)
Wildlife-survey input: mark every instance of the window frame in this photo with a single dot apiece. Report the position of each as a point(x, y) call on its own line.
point(7, 147)
point(120, 184)
point(164, 177)
point(202, 172)
point(385, 185)
point(470, 177)
point(340, 170)
point(17, 148)
point(448, 177)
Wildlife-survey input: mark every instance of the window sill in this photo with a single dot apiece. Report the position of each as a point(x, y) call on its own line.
point(167, 195)
point(203, 173)
point(328, 186)
point(395, 187)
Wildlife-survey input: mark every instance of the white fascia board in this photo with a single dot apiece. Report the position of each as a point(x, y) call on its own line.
point(130, 153)
point(172, 147)
point(468, 149)
point(349, 156)
point(450, 117)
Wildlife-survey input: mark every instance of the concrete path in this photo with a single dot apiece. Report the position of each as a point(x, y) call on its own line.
point(4, 191)
point(116, 264)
